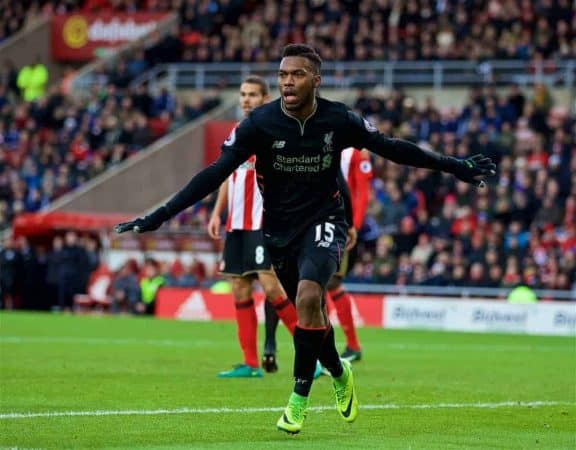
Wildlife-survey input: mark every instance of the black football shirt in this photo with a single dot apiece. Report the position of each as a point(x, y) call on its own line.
point(298, 163)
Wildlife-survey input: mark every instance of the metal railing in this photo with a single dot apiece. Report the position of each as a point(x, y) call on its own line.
point(435, 74)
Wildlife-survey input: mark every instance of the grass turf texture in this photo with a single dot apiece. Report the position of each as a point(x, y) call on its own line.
point(59, 363)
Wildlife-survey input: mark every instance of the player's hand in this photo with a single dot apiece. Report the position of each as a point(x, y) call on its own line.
point(475, 169)
point(351, 238)
point(150, 222)
point(214, 227)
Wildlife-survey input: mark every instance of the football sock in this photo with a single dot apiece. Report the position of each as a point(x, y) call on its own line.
point(329, 357)
point(307, 346)
point(286, 312)
point(343, 305)
point(271, 324)
point(247, 331)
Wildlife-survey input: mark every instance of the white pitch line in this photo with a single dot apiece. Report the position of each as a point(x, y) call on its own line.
point(158, 412)
point(8, 340)
point(103, 341)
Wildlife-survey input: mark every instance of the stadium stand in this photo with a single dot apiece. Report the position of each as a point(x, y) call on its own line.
point(424, 229)
point(16, 16)
point(52, 146)
point(377, 30)
point(342, 30)
point(235, 31)
point(421, 228)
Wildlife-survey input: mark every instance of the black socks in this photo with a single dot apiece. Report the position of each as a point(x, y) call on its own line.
point(307, 346)
point(271, 324)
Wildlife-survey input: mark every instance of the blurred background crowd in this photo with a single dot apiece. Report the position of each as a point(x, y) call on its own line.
point(425, 228)
point(422, 228)
point(237, 30)
point(54, 143)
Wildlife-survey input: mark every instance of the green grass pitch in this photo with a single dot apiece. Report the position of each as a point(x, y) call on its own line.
point(124, 382)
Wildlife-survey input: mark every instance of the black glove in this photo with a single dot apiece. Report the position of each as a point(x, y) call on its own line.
point(474, 169)
point(150, 222)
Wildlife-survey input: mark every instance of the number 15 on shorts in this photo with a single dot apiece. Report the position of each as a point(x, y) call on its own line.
point(324, 235)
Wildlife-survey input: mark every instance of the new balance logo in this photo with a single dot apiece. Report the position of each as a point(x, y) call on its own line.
point(278, 144)
point(324, 244)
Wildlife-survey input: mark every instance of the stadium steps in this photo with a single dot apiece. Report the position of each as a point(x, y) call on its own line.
point(29, 43)
point(147, 178)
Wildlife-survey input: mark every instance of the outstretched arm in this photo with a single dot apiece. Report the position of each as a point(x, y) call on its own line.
point(234, 153)
point(472, 170)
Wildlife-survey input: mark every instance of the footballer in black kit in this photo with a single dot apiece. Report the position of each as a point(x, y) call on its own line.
point(297, 140)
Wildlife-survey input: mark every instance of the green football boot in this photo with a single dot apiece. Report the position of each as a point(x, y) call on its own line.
point(346, 400)
point(293, 416)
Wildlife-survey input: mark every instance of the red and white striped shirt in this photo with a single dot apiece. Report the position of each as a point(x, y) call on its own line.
point(244, 198)
point(357, 171)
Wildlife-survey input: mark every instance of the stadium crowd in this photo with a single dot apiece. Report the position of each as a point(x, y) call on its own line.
point(422, 228)
point(51, 146)
point(38, 277)
point(412, 30)
point(68, 274)
point(235, 30)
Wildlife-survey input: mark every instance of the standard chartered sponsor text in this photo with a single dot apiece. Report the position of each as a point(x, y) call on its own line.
point(302, 164)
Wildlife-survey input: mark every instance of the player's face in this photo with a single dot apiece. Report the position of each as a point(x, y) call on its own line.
point(297, 83)
point(251, 97)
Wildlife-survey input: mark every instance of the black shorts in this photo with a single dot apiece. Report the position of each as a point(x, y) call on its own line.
point(347, 263)
point(244, 253)
point(313, 255)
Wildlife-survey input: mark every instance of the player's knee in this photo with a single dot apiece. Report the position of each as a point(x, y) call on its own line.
point(271, 286)
point(241, 289)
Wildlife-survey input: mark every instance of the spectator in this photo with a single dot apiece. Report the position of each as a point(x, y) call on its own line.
point(54, 265)
point(31, 277)
point(32, 80)
point(71, 277)
point(125, 291)
point(150, 282)
point(9, 78)
point(10, 262)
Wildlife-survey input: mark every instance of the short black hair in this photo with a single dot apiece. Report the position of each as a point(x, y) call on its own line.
point(255, 79)
point(305, 51)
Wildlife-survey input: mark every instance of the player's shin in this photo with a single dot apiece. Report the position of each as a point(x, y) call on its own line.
point(328, 356)
point(307, 347)
point(271, 324)
point(269, 363)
